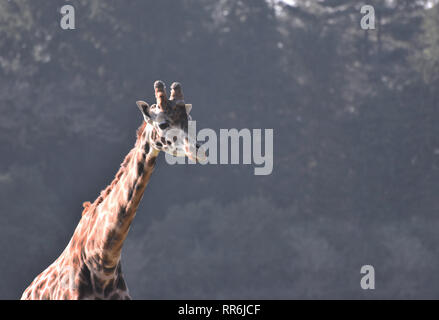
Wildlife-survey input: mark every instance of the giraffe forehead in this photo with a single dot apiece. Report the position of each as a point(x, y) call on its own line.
point(176, 116)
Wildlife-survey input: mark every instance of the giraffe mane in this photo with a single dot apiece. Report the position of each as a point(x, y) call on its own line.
point(140, 130)
point(104, 193)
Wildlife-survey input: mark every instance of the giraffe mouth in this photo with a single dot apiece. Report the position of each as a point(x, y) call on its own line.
point(182, 145)
point(195, 152)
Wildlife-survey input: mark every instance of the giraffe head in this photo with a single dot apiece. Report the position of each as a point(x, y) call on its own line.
point(168, 120)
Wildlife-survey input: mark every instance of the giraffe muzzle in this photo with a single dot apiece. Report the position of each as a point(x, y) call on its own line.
point(195, 152)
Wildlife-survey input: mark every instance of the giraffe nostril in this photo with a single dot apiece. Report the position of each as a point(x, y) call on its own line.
point(169, 142)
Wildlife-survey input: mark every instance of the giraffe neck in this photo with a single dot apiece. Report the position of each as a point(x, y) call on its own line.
point(108, 219)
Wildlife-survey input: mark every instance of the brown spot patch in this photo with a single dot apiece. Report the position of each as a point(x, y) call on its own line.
point(115, 296)
point(121, 284)
point(108, 289)
point(151, 161)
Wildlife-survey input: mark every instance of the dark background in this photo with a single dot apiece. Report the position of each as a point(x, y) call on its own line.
point(356, 144)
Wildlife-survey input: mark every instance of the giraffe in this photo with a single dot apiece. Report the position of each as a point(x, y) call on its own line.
point(90, 265)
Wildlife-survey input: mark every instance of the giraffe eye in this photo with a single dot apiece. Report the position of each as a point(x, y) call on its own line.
point(163, 125)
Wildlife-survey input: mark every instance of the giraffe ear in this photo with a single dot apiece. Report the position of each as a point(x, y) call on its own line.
point(188, 108)
point(144, 108)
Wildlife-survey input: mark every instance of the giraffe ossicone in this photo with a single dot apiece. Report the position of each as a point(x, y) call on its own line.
point(90, 265)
